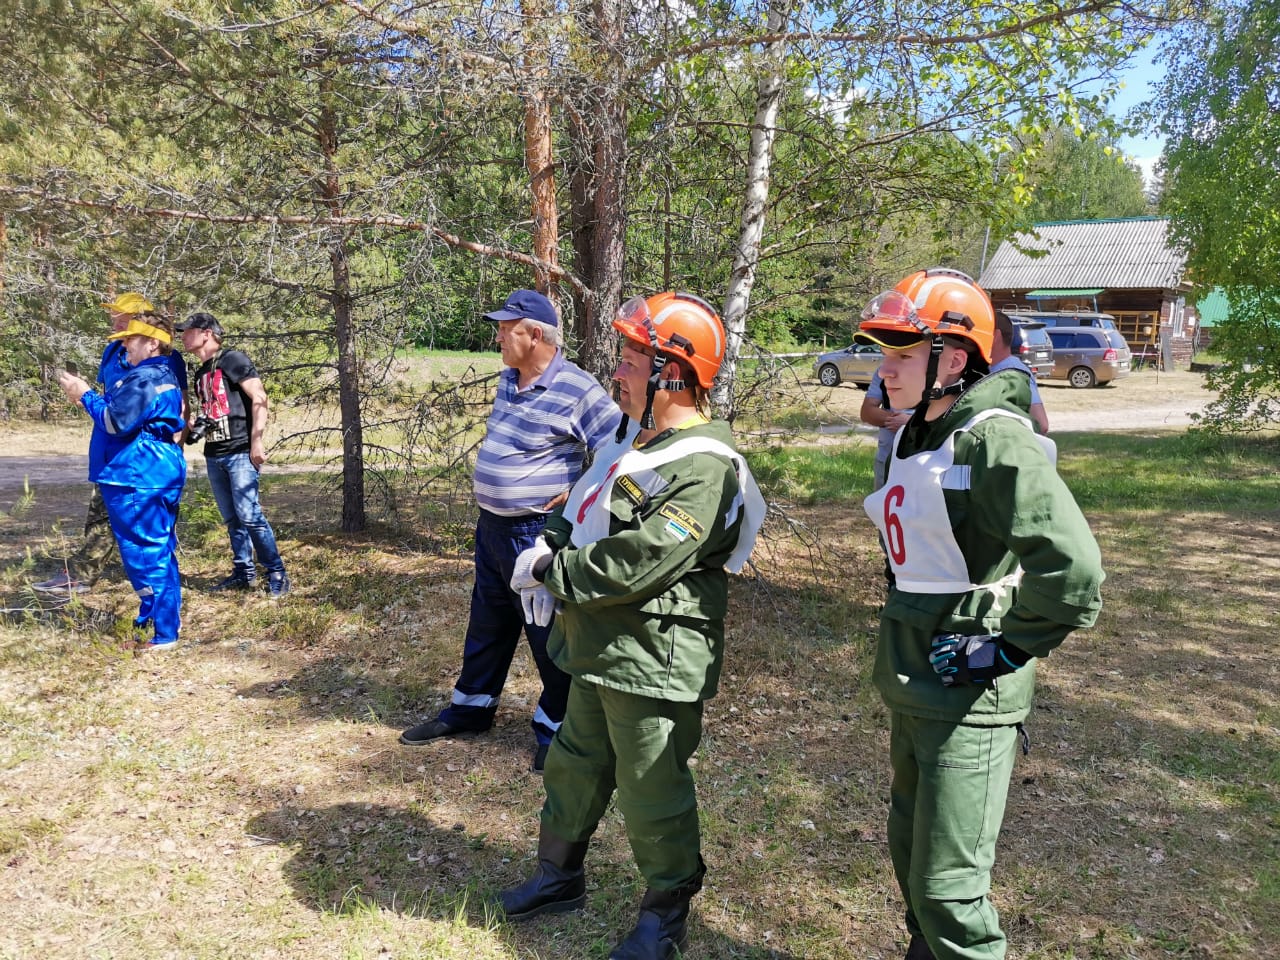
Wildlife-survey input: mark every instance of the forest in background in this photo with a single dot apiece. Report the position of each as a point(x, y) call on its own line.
point(337, 180)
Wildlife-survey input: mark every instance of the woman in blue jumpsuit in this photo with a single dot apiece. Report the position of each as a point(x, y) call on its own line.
point(144, 470)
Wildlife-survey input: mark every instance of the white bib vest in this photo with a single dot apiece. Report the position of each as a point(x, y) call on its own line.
point(588, 505)
point(910, 511)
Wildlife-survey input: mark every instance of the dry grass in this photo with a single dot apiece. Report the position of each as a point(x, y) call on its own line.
point(244, 796)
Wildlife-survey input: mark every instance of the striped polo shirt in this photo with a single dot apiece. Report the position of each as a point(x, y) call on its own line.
point(537, 438)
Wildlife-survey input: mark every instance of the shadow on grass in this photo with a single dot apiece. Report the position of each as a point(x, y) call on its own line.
point(351, 857)
point(334, 687)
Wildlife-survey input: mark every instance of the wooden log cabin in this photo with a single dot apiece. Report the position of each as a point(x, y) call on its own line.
point(1126, 268)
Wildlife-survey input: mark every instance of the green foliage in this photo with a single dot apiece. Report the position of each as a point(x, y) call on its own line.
point(1248, 377)
point(1083, 178)
point(1222, 193)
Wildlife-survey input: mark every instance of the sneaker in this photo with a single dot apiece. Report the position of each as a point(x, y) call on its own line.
point(278, 584)
point(427, 731)
point(237, 581)
point(62, 583)
point(157, 644)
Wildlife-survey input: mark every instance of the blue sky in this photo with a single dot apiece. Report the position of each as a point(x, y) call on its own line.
point(1142, 78)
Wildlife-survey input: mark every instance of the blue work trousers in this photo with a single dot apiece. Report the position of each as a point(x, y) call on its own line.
point(494, 630)
point(144, 522)
point(234, 481)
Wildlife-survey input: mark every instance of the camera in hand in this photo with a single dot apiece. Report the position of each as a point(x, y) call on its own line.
point(197, 430)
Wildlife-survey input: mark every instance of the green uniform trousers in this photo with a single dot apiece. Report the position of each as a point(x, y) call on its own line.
point(947, 801)
point(98, 548)
point(641, 747)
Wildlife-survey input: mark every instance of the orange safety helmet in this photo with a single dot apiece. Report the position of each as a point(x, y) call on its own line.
point(938, 302)
point(678, 326)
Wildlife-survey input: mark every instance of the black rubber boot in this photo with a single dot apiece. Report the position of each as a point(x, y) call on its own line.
point(557, 886)
point(918, 949)
point(662, 929)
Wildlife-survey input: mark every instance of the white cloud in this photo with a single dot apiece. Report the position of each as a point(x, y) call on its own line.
point(1147, 166)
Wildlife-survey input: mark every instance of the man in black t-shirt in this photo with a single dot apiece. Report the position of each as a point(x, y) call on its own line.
point(231, 416)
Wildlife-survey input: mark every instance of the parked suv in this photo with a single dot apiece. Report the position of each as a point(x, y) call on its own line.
point(1031, 345)
point(1089, 356)
point(1064, 318)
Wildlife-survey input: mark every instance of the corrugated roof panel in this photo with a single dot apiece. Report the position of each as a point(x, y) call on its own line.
point(1213, 308)
point(1111, 254)
point(1055, 294)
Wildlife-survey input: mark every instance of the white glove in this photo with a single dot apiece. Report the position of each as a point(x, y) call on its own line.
point(539, 605)
point(537, 557)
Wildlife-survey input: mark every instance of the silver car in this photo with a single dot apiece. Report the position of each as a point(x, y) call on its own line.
point(855, 364)
point(1089, 356)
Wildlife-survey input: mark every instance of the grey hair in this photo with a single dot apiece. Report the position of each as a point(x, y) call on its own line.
point(550, 334)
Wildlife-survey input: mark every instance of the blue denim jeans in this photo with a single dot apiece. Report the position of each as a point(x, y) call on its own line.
point(234, 480)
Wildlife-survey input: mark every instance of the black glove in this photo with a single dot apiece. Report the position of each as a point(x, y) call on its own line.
point(961, 660)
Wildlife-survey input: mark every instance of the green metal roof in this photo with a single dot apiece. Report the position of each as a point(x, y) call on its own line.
point(1213, 307)
point(1045, 294)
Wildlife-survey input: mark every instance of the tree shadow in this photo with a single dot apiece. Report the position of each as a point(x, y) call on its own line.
point(332, 687)
point(349, 857)
point(343, 688)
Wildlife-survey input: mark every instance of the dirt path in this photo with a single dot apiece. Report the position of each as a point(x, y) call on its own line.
point(1147, 400)
point(50, 459)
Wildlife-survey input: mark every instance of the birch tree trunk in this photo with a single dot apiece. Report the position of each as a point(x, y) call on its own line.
point(746, 258)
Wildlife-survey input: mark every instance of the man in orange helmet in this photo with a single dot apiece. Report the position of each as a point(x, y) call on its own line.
point(636, 559)
point(993, 566)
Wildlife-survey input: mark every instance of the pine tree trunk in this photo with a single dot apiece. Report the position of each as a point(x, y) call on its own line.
point(353, 514)
point(539, 153)
point(598, 186)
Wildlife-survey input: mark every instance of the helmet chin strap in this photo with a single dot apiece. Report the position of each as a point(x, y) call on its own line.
point(936, 392)
point(654, 384)
point(932, 390)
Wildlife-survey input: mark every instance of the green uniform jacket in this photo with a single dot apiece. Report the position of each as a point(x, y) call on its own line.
point(644, 607)
point(1016, 510)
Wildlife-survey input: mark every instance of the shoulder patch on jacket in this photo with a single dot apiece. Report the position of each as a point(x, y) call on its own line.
point(631, 490)
point(647, 481)
point(681, 524)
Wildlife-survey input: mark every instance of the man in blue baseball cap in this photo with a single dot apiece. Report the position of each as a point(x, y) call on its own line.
point(547, 414)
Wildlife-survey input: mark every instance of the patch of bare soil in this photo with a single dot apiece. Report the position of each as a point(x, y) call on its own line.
point(1145, 400)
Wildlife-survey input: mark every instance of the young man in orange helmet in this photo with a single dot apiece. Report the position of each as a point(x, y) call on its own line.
point(993, 566)
point(636, 561)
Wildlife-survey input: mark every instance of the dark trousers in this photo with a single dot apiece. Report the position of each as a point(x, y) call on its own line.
point(494, 630)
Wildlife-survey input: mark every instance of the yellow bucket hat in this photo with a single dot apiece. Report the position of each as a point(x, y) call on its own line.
point(140, 328)
point(130, 302)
